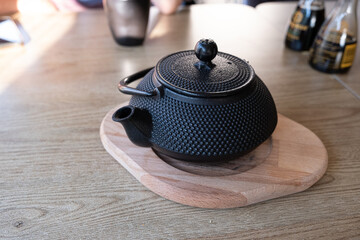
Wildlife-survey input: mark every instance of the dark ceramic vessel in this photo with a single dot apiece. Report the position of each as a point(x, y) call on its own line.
point(200, 105)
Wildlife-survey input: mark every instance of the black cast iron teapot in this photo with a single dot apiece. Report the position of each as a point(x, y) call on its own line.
point(200, 105)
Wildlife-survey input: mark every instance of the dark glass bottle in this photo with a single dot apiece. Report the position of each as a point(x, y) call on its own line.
point(334, 48)
point(304, 25)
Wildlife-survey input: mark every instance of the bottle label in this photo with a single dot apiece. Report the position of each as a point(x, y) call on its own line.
point(335, 52)
point(349, 55)
point(298, 24)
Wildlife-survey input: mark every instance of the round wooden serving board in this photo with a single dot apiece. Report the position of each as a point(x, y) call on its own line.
point(290, 161)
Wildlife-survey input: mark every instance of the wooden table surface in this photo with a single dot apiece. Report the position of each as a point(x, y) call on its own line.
point(57, 181)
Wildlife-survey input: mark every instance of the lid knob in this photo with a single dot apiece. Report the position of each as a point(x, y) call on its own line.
point(205, 51)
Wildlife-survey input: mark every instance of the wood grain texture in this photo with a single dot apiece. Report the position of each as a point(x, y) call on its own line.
point(290, 161)
point(58, 182)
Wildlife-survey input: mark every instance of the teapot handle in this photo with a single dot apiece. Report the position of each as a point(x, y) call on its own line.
point(133, 91)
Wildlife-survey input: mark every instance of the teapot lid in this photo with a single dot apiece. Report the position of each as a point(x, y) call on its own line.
point(204, 72)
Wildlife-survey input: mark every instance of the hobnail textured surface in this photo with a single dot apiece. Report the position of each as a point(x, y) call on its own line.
point(177, 71)
point(213, 131)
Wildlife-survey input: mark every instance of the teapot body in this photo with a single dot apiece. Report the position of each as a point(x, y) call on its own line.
point(207, 129)
point(200, 105)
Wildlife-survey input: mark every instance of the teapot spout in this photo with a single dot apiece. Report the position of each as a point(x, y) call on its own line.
point(137, 124)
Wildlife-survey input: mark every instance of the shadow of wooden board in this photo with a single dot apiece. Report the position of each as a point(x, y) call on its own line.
point(290, 161)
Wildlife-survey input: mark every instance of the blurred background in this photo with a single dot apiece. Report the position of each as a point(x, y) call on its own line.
point(49, 6)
